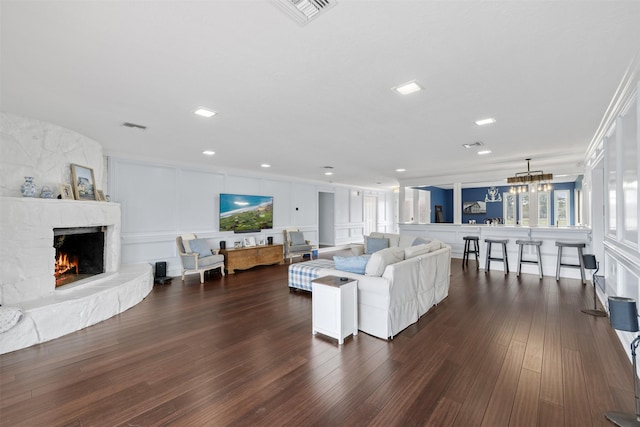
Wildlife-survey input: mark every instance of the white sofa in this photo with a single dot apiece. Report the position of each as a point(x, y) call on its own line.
point(405, 290)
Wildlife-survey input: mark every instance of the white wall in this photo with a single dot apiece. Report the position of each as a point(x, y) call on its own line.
point(617, 145)
point(160, 202)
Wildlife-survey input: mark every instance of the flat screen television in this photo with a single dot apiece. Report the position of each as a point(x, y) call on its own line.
point(245, 214)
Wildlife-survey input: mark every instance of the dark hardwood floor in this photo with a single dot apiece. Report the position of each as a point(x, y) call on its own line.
point(238, 350)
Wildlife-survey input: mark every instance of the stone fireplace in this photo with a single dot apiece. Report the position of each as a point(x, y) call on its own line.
point(32, 232)
point(30, 229)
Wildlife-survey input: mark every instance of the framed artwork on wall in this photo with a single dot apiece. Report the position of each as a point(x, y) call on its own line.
point(83, 182)
point(474, 208)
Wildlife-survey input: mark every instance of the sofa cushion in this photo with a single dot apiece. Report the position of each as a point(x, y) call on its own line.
point(375, 244)
point(352, 264)
point(379, 260)
point(200, 246)
point(414, 251)
point(394, 239)
point(405, 240)
point(434, 245)
point(297, 238)
point(420, 241)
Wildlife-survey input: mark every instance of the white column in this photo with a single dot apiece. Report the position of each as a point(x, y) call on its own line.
point(457, 203)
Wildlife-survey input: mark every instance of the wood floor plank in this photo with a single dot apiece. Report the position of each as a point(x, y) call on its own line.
point(238, 350)
point(526, 402)
point(502, 397)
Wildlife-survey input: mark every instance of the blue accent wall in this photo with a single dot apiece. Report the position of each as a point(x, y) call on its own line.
point(444, 198)
point(494, 209)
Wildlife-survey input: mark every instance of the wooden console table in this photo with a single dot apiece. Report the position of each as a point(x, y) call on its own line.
point(244, 258)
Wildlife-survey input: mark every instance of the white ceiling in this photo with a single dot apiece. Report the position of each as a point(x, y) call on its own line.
point(305, 97)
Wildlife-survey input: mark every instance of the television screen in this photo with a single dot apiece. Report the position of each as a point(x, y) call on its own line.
point(245, 214)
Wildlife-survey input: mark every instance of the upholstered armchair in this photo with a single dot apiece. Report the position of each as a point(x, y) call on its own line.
point(295, 244)
point(197, 257)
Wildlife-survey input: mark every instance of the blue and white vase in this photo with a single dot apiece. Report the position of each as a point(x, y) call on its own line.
point(28, 189)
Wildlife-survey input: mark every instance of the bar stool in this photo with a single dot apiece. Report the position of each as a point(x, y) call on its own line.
point(579, 246)
point(537, 244)
point(468, 242)
point(504, 258)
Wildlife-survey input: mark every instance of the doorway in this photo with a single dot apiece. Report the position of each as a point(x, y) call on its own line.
point(326, 220)
point(370, 214)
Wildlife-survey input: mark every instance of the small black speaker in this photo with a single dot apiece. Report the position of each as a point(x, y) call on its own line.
point(270, 240)
point(223, 244)
point(161, 269)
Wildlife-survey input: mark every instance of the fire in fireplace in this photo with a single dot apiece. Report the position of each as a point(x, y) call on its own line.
point(79, 253)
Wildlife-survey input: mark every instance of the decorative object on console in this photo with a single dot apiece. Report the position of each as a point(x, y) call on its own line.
point(83, 182)
point(590, 263)
point(270, 240)
point(624, 317)
point(100, 196)
point(249, 242)
point(28, 188)
point(66, 192)
point(46, 193)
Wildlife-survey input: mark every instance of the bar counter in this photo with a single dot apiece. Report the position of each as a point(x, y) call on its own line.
point(452, 234)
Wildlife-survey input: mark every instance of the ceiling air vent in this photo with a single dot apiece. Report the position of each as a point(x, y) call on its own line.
point(303, 11)
point(134, 126)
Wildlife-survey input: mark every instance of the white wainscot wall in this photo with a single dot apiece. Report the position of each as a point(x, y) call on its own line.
point(453, 234)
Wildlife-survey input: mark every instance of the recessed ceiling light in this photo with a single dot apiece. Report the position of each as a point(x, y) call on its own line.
point(485, 121)
point(205, 112)
point(401, 170)
point(328, 173)
point(407, 88)
point(265, 165)
point(208, 152)
point(483, 152)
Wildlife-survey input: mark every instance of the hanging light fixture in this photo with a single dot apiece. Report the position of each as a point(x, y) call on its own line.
point(531, 177)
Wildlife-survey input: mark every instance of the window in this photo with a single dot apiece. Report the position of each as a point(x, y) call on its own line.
point(524, 208)
point(509, 208)
point(561, 207)
point(544, 208)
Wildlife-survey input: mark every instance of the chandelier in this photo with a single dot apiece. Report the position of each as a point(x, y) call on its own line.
point(530, 178)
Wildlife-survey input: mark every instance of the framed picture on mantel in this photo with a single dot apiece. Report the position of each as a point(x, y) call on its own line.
point(84, 184)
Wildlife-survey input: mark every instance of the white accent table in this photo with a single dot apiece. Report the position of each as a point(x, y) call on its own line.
point(335, 307)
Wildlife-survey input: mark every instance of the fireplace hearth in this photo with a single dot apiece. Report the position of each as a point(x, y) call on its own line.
point(80, 253)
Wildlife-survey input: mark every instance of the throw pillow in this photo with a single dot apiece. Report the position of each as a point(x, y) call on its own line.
point(352, 264)
point(413, 251)
point(373, 244)
point(380, 260)
point(9, 317)
point(200, 246)
point(186, 238)
point(297, 238)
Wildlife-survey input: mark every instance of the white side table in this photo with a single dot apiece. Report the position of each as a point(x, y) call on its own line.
point(335, 307)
